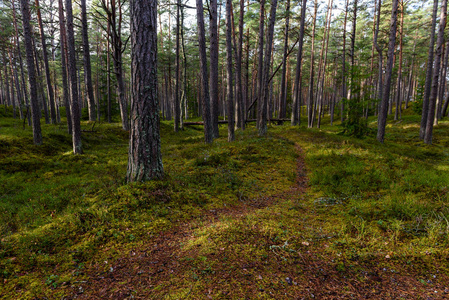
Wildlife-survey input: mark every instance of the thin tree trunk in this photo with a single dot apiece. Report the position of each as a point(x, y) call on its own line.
point(87, 64)
point(27, 32)
point(19, 54)
point(230, 92)
point(205, 97)
point(379, 51)
point(310, 103)
point(324, 61)
point(343, 65)
point(177, 108)
point(296, 108)
point(214, 67)
point(240, 101)
point(436, 74)
point(266, 70)
point(65, 87)
point(399, 82)
point(260, 70)
point(283, 100)
point(429, 70)
point(46, 66)
point(442, 84)
point(75, 113)
point(382, 119)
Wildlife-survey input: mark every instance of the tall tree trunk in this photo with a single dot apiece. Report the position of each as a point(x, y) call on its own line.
point(429, 70)
point(214, 67)
point(19, 55)
point(260, 66)
point(397, 113)
point(51, 98)
point(75, 112)
point(436, 74)
point(324, 64)
point(266, 70)
point(240, 103)
point(379, 51)
point(442, 88)
point(296, 107)
point(144, 156)
point(65, 87)
point(27, 32)
point(354, 27)
point(230, 92)
point(283, 100)
point(382, 119)
point(205, 98)
point(343, 65)
point(177, 108)
point(310, 105)
point(87, 65)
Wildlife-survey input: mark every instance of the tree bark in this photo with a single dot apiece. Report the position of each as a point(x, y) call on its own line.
point(312, 71)
point(266, 70)
point(177, 108)
point(260, 66)
point(240, 104)
point(75, 112)
point(296, 108)
point(382, 118)
point(87, 64)
point(27, 32)
point(283, 100)
point(436, 74)
point(46, 66)
point(429, 70)
point(144, 157)
point(205, 97)
point(19, 54)
point(230, 91)
point(65, 87)
point(397, 112)
point(214, 67)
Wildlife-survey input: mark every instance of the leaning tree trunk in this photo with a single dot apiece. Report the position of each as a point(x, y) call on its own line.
point(296, 108)
point(87, 65)
point(436, 74)
point(382, 119)
point(205, 98)
point(27, 32)
point(425, 104)
point(144, 157)
point(75, 112)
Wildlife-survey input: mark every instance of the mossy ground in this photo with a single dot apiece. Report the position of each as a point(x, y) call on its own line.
point(228, 220)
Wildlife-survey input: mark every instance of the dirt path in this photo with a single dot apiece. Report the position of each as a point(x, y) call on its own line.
point(243, 262)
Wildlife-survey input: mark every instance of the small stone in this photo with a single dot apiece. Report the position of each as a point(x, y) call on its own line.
point(289, 280)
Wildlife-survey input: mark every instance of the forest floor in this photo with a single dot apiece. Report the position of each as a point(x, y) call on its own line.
point(217, 257)
point(299, 214)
